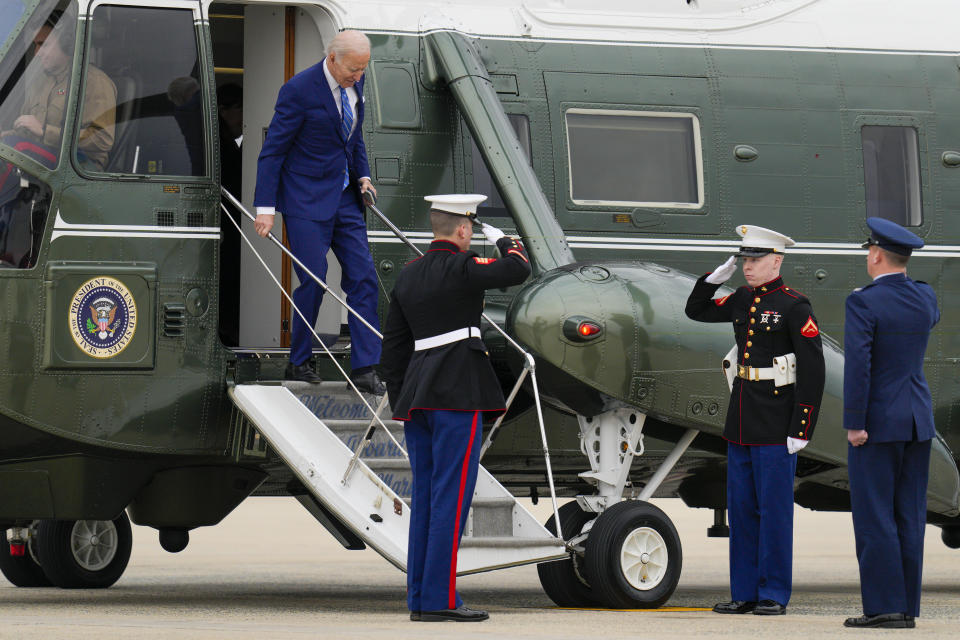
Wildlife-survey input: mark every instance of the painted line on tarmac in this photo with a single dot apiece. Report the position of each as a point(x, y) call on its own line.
point(660, 610)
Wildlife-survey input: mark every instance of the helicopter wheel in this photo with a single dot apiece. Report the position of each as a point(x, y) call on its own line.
point(563, 580)
point(85, 554)
point(22, 571)
point(633, 556)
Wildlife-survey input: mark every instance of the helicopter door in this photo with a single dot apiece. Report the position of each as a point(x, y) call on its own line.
point(276, 42)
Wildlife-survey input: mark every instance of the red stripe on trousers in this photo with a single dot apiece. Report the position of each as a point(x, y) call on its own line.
point(456, 524)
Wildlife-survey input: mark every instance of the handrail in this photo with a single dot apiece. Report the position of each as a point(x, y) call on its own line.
point(242, 209)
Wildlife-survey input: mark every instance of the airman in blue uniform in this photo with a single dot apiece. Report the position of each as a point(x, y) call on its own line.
point(888, 414)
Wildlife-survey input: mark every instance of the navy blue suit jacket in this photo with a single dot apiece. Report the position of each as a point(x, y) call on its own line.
point(301, 165)
point(887, 327)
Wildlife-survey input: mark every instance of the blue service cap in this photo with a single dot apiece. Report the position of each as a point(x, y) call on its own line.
point(888, 235)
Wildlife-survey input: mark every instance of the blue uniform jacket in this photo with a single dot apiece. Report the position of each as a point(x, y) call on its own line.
point(887, 327)
point(301, 165)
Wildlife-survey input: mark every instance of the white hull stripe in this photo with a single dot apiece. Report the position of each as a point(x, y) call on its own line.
point(62, 228)
point(702, 246)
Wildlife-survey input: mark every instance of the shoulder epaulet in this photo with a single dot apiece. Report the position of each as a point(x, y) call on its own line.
point(790, 291)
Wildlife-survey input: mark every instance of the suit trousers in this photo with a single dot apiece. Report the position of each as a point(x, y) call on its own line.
point(888, 497)
point(346, 233)
point(444, 449)
point(760, 504)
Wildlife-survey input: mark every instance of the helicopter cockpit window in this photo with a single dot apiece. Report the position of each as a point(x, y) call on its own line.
point(483, 181)
point(35, 78)
point(143, 71)
point(636, 158)
point(24, 202)
point(891, 174)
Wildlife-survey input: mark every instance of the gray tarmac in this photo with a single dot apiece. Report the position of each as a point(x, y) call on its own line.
point(270, 571)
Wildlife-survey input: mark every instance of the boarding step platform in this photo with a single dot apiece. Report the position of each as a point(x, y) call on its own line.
point(316, 428)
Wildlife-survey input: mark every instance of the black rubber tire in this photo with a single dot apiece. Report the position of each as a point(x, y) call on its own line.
point(561, 579)
point(21, 571)
point(605, 543)
point(62, 568)
point(951, 536)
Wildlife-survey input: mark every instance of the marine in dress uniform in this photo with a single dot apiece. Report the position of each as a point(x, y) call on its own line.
point(768, 418)
point(313, 168)
point(888, 414)
point(441, 384)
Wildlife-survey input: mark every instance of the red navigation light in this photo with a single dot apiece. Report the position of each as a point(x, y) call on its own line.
point(588, 329)
point(18, 549)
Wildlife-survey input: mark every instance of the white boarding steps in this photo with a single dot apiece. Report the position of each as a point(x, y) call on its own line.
point(499, 533)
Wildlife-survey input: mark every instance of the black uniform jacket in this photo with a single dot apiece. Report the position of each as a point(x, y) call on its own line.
point(435, 294)
point(768, 321)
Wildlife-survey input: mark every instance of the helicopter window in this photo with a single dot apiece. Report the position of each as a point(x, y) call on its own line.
point(638, 158)
point(891, 174)
point(24, 202)
point(151, 59)
point(483, 181)
point(35, 81)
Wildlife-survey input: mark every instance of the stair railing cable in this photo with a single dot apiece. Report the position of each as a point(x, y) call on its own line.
point(374, 412)
point(529, 367)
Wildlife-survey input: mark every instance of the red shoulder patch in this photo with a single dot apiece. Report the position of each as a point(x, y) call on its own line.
point(721, 301)
point(810, 329)
point(484, 260)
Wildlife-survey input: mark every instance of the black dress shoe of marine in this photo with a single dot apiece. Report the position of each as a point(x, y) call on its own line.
point(911, 623)
point(735, 606)
point(369, 382)
point(415, 616)
point(460, 614)
point(879, 621)
point(769, 608)
point(302, 372)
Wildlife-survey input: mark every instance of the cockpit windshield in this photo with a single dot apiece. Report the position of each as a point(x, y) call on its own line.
point(37, 58)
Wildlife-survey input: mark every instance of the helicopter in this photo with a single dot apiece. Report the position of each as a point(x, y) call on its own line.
point(622, 145)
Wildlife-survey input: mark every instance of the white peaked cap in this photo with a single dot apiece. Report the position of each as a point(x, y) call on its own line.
point(458, 204)
point(758, 241)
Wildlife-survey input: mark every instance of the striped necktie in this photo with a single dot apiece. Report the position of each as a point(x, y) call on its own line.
point(346, 124)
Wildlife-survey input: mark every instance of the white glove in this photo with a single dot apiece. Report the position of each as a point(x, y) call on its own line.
point(795, 444)
point(492, 233)
point(722, 273)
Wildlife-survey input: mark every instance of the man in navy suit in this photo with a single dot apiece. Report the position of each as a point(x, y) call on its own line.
point(313, 169)
point(888, 414)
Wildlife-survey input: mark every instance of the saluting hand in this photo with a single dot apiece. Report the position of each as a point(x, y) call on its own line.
point(722, 273)
point(492, 233)
point(857, 437)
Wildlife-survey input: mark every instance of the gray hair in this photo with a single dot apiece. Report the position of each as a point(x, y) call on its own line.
point(349, 41)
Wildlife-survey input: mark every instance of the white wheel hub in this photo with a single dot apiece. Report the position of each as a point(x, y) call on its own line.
point(94, 543)
point(644, 558)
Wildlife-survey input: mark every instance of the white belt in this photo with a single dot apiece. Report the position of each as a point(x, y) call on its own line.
point(446, 338)
point(783, 372)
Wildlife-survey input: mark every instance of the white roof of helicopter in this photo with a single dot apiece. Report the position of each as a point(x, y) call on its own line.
point(866, 25)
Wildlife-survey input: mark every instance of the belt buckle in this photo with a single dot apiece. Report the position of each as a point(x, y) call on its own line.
point(741, 371)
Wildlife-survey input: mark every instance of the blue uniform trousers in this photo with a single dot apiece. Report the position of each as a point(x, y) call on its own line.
point(444, 449)
point(346, 233)
point(760, 504)
point(888, 496)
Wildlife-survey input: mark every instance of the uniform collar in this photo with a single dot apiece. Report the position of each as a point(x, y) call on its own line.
point(892, 276)
point(443, 245)
point(768, 287)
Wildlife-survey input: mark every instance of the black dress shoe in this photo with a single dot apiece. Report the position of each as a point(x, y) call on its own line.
point(769, 608)
point(880, 621)
point(911, 623)
point(735, 606)
point(303, 373)
point(460, 614)
point(369, 382)
point(415, 616)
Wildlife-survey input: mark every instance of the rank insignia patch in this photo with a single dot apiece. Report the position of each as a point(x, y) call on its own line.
point(721, 301)
point(810, 329)
point(483, 260)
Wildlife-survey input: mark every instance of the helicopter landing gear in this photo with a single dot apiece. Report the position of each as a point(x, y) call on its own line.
point(631, 553)
point(18, 558)
point(84, 554)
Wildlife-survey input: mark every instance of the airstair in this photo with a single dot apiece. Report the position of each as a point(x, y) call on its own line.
point(354, 466)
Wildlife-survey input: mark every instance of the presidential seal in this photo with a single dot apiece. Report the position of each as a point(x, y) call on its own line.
point(103, 317)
